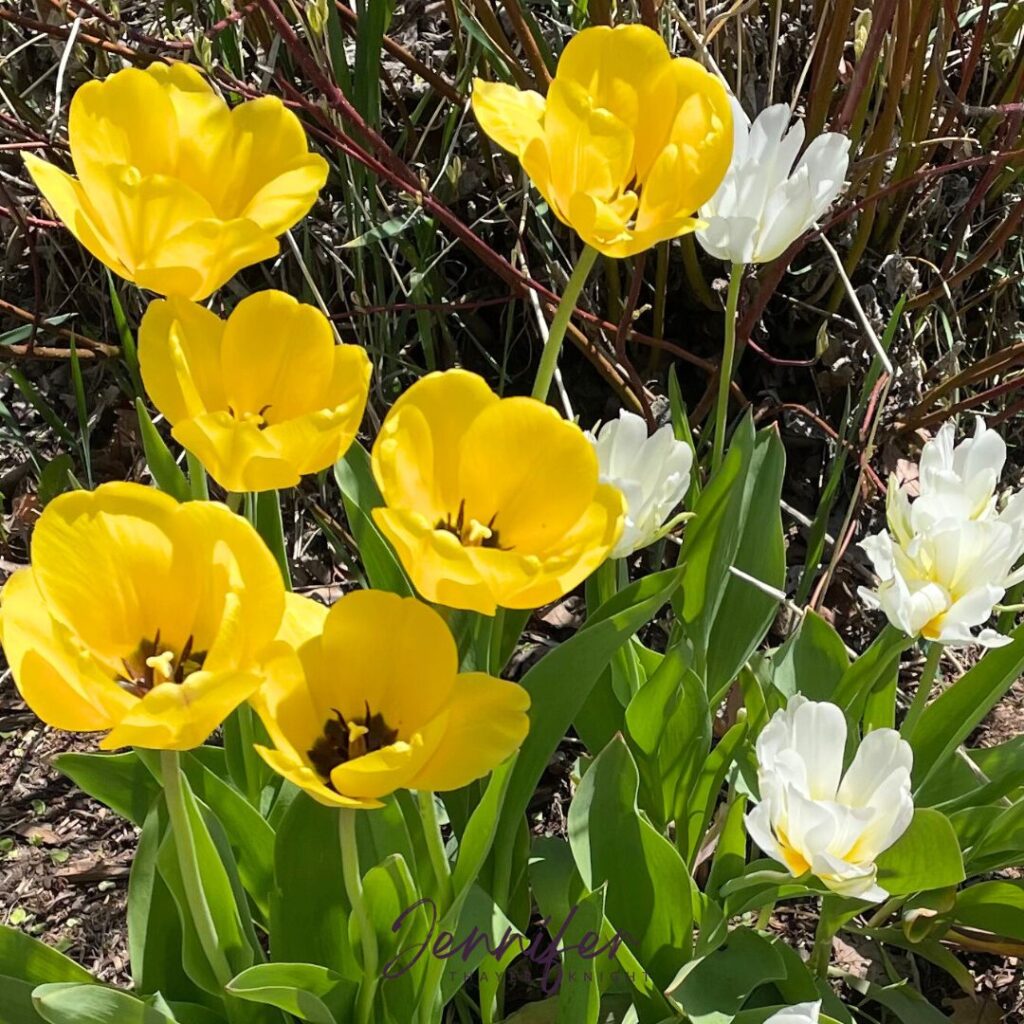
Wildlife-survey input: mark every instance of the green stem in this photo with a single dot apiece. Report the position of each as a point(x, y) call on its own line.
point(354, 889)
point(549, 357)
point(725, 370)
point(822, 952)
point(494, 659)
point(924, 689)
point(188, 865)
point(435, 848)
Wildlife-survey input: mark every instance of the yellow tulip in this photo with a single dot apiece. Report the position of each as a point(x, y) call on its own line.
point(375, 702)
point(260, 398)
point(628, 143)
point(490, 501)
point(140, 616)
point(175, 191)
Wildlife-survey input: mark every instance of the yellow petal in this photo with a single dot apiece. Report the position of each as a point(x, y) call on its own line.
point(438, 565)
point(486, 722)
point(376, 775)
point(107, 566)
point(415, 456)
point(126, 119)
point(268, 173)
point(614, 66)
point(305, 778)
point(590, 149)
point(278, 357)
point(511, 117)
point(203, 122)
point(180, 716)
point(179, 355)
point(530, 469)
point(393, 653)
point(69, 201)
point(60, 683)
point(202, 256)
point(303, 619)
point(316, 440)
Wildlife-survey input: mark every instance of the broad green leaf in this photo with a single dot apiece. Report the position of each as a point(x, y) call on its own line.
point(712, 990)
point(996, 906)
point(746, 611)
point(16, 1006)
point(872, 669)
point(712, 538)
point(561, 681)
point(30, 960)
point(307, 991)
point(93, 1004)
point(308, 908)
point(908, 1005)
point(121, 781)
point(668, 725)
point(579, 989)
point(360, 495)
point(995, 836)
point(812, 661)
point(953, 715)
point(926, 856)
point(155, 940)
point(649, 893)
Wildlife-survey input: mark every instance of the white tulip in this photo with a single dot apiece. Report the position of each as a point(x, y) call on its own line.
point(799, 1013)
point(771, 194)
point(948, 557)
point(653, 474)
point(811, 816)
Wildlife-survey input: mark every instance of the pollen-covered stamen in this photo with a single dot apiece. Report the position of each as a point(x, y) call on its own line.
point(473, 534)
point(343, 741)
point(152, 664)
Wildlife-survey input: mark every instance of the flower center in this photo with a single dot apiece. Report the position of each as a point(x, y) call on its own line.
point(343, 741)
point(153, 664)
point(473, 534)
point(258, 418)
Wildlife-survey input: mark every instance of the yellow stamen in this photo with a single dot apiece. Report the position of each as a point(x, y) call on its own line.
point(162, 664)
point(478, 532)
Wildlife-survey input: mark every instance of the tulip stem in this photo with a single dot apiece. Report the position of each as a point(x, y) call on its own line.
point(188, 864)
point(725, 370)
point(198, 488)
point(435, 848)
point(924, 689)
point(354, 889)
point(549, 357)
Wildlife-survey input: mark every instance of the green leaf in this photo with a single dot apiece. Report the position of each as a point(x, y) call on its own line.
point(926, 856)
point(92, 1004)
point(996, 906)
point(360, 495)
point(746, 611)
point(579, 992)
point(953, 715)
point(166, 473)
point(812, 661)
point(581, 659)
point(121, 781)
point(29, 960)
point(309, 910)
point(871, 670)
point(668, 726)
point(16, 1006)
point(712, 990)
point(307, 991)
point(649, 890)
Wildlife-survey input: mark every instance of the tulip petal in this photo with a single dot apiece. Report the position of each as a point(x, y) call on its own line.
point(303, 619)
point(305, 778)
point(375, 775)
point(181, 716)
point(179, 356)
point(278, 356)
point(510, 116)
point(71, 204)
point(416, 455)
point(374, 643)
point(486, 723)
point(60, 683)
point(529, 468)
point(440, 568)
